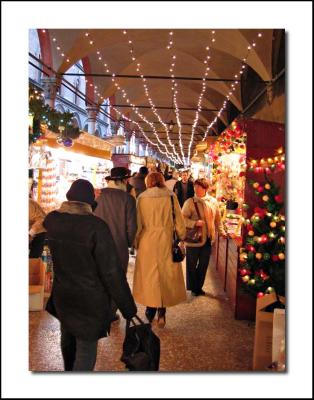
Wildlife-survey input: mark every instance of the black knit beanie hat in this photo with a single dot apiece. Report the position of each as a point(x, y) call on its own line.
point(82, 190)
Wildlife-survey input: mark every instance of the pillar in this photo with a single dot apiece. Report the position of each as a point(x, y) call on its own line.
point(50, 86)
point(92, 112)
point(137, 146)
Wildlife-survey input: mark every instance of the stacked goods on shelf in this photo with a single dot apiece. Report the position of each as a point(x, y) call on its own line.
point(48, 187)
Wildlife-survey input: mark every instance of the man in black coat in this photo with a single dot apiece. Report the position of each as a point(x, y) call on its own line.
point(184, 188)
point(87, 275)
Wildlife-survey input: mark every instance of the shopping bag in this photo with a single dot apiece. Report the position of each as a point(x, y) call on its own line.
point(141, 347)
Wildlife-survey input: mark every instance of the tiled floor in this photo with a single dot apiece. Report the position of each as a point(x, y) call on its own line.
point(200, 335)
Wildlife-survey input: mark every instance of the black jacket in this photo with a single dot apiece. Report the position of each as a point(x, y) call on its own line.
point(87, 272)
point(178, 191)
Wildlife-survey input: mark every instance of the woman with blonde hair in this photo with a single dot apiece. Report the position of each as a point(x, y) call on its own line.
point(158, 281)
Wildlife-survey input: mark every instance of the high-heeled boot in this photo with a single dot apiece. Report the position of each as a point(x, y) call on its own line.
point(150, 313)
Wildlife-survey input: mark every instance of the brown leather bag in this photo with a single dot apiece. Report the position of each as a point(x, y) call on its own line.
point(194, 235)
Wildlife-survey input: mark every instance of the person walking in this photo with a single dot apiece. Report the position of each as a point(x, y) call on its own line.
point(117, 208)
point(198, 254)
point(172, 181)
point(87, 274)
point(138, 181)
point(36, 231)
point(184, 188)
point(158, 281)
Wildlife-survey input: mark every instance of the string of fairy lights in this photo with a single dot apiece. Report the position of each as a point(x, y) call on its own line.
point(174, 90)
point(172, 155)
point(98, 94)
point(200, 98)
point(233, 86)
point(168, 154)
point(147, 93)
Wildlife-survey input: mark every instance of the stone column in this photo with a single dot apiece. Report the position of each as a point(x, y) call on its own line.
point(127, 143)
point(137, 146)
point(92, 112)
point(50, 86)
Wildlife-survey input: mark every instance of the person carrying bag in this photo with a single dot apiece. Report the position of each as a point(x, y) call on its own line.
point(200, 212)
point(141, 346)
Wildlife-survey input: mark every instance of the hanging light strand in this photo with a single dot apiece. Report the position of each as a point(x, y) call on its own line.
point(125, 96)
point(169, 157)
point(147, 94)
point(232, 87)
point(200, 98)
point(174, 91)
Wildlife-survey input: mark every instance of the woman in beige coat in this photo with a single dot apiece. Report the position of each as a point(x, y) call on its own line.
point(198, 254)
point(158, 281)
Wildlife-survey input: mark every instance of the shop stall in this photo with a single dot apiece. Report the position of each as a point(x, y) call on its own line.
point(234, 159)
point(151, 163)
point(129, 161)
point(200, 162)
point(54, 167)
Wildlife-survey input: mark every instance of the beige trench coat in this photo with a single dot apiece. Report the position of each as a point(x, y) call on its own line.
point(158, 281)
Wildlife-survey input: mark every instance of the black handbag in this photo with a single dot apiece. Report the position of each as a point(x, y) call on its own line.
point(194, 235)
point(177, 251)
point(141, 347)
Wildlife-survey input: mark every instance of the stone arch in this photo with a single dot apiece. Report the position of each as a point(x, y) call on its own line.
point(59, 107)
point(77, 120)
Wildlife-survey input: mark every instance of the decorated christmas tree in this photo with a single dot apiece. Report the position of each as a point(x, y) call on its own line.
point(262, 259)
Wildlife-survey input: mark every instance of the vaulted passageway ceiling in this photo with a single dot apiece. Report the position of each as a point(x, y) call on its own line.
point(110, 51)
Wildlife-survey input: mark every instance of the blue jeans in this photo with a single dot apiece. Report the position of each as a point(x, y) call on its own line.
point(78, 355)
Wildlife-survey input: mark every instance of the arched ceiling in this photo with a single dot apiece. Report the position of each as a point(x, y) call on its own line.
point(149, 46)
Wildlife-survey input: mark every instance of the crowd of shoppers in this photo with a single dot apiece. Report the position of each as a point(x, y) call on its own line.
point(89, 242)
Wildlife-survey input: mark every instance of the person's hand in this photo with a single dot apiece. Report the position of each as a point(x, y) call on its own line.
point(199, 223)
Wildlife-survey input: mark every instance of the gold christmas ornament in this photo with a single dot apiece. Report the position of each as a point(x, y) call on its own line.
point(273, 224)
point(259, 256)
point(281, 256)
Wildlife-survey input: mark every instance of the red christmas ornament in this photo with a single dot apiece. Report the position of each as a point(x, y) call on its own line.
point(260, 189)
point(275, 257)
point(243, 272)
point(278, 198)
point(251, 248)
point(264, 238)
point(260, 294)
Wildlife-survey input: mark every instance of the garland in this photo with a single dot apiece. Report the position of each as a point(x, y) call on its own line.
point(58, 122)
point(266, 165)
